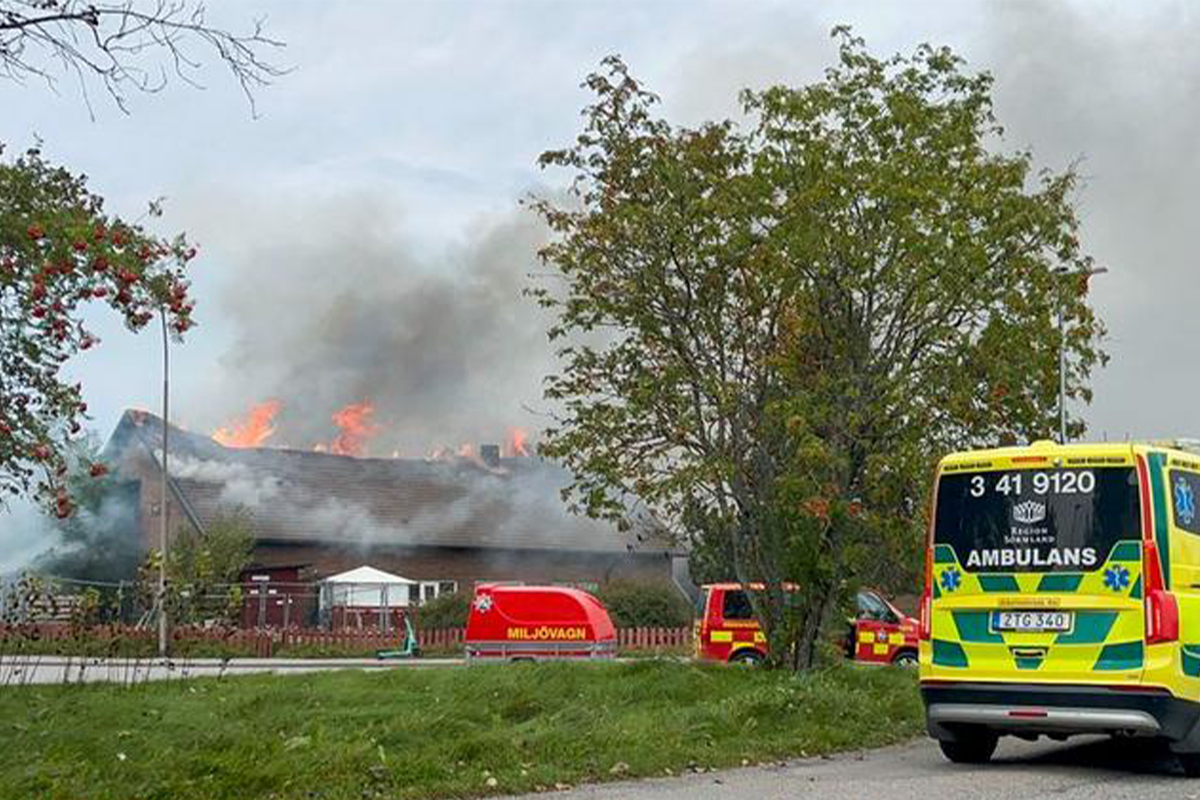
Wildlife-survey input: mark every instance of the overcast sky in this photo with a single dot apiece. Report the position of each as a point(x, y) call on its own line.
point(361, 239)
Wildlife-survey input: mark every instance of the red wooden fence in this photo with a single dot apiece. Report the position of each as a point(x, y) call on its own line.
point(265, 643)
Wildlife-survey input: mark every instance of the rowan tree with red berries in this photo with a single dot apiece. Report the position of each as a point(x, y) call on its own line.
point(60, 251)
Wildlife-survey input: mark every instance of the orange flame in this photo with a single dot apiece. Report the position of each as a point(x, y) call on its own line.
point(356, 427)
point(517, 444)
point(253, 430)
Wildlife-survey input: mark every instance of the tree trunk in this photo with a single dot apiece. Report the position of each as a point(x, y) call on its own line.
point(805, 650)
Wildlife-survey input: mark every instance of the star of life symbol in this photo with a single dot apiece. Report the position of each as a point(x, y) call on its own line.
point(1185, 501)
point(1116, 578)
point(483, 604)
point(1029, 512)
point(951, 579)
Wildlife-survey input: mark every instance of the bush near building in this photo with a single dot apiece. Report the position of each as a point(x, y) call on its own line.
point(644, 605)
point(445, 611)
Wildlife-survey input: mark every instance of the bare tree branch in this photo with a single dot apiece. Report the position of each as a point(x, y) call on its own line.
point(127, 46)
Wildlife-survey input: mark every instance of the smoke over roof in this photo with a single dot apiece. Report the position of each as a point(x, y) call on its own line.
point(302, 496)
point(331, 306)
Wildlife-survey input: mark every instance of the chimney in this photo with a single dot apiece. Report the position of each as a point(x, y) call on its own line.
point(490, 454)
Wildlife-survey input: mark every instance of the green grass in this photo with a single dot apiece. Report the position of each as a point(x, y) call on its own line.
point(91, 647)
point(433, 733)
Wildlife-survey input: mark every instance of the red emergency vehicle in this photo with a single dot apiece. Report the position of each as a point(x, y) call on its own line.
point(527, 623)
point(726, 629)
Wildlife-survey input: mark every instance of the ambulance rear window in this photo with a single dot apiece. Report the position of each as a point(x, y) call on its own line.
point(1031, 520)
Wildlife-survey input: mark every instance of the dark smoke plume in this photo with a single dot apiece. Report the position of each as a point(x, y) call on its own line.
point(339, 311)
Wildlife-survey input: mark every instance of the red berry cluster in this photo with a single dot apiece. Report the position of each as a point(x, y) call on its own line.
point(73, 255)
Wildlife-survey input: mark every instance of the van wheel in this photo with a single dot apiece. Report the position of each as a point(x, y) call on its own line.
point(1190, 763)
point(972, 748)
point(905, 658)
point(750, 658)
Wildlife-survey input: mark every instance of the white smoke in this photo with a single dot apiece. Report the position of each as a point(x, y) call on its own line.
point(241, 485)
point(25, 533)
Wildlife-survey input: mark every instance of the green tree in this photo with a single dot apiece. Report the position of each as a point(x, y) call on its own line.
point(60, 251)
point(768, 330)
point(203, 569)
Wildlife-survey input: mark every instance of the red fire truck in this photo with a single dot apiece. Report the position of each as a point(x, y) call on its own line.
point(533, 623)
point(726, 629)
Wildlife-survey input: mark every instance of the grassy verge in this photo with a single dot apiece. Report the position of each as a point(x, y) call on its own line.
point(433, 733)
point(87, 647)
point(147, 648)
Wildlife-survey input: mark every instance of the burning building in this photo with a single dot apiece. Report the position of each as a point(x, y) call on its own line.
point(485, 514)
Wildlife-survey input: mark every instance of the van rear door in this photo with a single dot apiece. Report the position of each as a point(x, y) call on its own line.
point(1037, 571)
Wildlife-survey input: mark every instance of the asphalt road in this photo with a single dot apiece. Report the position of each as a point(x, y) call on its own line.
point(1081, 769)
point(52, 669)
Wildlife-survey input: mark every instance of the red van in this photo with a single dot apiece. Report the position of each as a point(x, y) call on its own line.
point(726, 629)
point(534, 623)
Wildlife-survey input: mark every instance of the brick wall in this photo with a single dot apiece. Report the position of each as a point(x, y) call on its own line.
point(138, 466)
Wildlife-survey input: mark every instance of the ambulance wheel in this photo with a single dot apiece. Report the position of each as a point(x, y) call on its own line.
point(906, 658)
point(1190, 763)
point(970, 748)
point(749, 658)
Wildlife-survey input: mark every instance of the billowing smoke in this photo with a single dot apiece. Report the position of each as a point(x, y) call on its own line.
point(332, 303)
point(330, 306)
point(26, 532)
point(241, 486)
point(1117, 92)
point(99, 542)
point(516, 502)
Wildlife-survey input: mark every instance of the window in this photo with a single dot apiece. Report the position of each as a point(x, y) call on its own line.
point(1185, 488)
point(871, 607)
point(737, 605)
point(1037, 520)
point(429, 590)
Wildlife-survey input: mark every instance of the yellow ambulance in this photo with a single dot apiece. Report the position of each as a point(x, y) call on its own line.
point(1062, 597)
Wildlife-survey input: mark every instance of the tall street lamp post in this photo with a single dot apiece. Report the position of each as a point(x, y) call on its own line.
point(162, 506)
point(1062, 346)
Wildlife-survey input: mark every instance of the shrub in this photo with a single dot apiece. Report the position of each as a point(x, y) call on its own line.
point(644, 605)
point(445, 611)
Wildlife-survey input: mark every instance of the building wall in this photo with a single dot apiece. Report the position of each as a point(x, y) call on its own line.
point(140, 467)
point(469, 566)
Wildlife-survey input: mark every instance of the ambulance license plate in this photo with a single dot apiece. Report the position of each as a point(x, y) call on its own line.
point(1032, 620)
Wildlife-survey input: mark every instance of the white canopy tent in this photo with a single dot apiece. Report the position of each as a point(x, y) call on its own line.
point(366, 587)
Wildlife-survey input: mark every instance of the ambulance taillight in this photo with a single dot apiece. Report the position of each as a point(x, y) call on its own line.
point(926, 616)
point(1162, 617)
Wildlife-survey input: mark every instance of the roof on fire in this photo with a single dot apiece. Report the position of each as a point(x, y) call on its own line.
point(299, 496)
